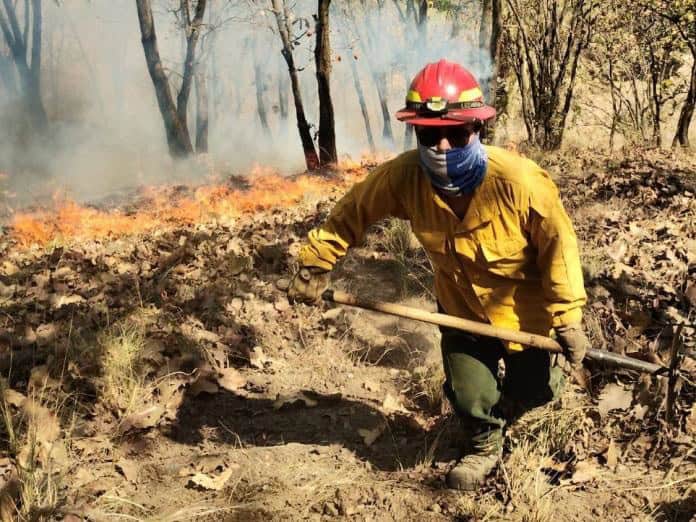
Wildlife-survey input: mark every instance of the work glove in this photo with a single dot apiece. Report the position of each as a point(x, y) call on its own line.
point(308, 284)
point(574, 342)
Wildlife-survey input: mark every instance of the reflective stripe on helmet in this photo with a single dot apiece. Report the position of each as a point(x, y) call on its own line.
point(470, 95)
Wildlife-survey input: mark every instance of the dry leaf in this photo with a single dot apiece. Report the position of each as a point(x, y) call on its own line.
point(613, 397)
point(212, 483)
point(230, 379)
point(691, 421)
point(258, 359)
point(7, 268)
point(393, 404)
point(40, 380)
point(13, 397)
point(144, 419)
point(370, 436)
point(203, 384)
point(60, 300)
point(46, 333)
point(282, 400)
point(585, 471)
point(129, 469)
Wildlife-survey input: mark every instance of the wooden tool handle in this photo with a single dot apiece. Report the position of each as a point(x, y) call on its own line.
point(505, 334)
point(474, 327)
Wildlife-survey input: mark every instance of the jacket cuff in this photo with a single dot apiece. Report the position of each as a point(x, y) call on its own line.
point(308, 258)
point(572, 316)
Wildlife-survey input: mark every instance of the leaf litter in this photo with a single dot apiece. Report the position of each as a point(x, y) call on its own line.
point(210, 296)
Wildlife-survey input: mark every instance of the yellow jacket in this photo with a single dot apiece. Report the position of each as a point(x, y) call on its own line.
point(512, 261)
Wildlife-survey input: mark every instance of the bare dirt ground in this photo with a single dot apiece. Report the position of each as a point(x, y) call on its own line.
point(165, 376)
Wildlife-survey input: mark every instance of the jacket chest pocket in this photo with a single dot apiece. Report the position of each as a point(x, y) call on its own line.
point(507, 257)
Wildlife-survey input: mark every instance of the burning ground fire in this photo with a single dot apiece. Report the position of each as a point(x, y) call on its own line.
point(160, 207)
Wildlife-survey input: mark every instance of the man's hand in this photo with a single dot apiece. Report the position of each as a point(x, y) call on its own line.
point(308, 284)
point(574, 342)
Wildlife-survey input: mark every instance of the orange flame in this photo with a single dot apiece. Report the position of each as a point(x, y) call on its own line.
point(71, 221)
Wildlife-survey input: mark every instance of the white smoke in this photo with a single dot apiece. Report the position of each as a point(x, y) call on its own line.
point(107, 133)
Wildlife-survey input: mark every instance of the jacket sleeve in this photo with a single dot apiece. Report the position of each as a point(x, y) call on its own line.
point(367, 202)
point(558, 259)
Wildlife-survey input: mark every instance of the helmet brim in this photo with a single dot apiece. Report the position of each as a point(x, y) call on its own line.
point(452, 117)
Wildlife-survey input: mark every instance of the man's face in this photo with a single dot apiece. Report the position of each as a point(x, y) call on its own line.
point(446, 137)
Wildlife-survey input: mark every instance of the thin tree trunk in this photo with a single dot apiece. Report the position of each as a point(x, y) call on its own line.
point(322, 57)
point(281, 14)
point(657, 105)
point(380, 79)
point(260, 104)
point(681, 136)
point(202, 110)
point(194, 32)
point(283, 97)
point(178, 137)
point(363, 104)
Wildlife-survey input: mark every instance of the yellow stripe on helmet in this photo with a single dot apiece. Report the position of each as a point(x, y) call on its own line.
point(413, 96)
point(470, 95)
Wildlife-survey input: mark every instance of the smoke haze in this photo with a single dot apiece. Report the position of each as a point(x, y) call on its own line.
point(106, 132)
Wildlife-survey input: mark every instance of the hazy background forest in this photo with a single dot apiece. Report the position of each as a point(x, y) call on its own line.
point(78, 105)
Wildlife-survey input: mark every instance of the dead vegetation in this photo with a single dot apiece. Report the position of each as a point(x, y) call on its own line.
point(165, 376)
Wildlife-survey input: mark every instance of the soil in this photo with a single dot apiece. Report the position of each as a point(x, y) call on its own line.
point(332, 412)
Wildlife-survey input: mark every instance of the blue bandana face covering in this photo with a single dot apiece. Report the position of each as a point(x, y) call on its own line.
point(455, 172)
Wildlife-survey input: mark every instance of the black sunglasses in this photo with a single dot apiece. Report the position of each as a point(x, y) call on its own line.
point(457, 135)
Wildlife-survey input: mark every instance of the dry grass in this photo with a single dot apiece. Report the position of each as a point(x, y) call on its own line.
point(112, 507)
point(122, 382)
point(33, 489)
point(427, 381)
point(398, 240)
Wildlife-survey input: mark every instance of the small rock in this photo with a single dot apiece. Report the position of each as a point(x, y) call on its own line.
point(237, 303)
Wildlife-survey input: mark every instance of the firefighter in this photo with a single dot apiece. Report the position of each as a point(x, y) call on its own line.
point(501, 244)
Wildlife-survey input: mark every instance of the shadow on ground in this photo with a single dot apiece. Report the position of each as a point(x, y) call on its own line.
point(232, 419)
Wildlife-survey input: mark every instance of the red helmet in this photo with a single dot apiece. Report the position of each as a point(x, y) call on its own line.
point(444, 93)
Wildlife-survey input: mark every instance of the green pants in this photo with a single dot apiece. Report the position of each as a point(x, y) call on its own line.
point(477, 391)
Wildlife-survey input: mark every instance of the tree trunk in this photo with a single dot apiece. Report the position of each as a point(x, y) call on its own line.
point(282, 97)
point(485, 30)
point(260, 105)
point(681, 136)
point(202, 110)
point(7, 76)
point(193, 29)
point(380, 79)
point(178, 137)
point(363, 104)
point(408, 137)
point(657, 104)
point(281, 14)
point(490, 40)
point(322, 57)
point(29, 71)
